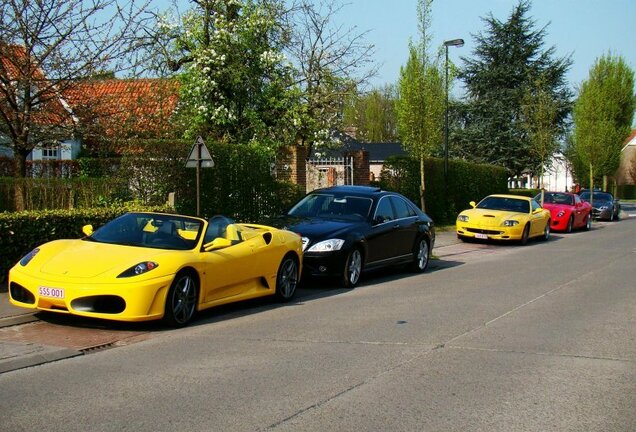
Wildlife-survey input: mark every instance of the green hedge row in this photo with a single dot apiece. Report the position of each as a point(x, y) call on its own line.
point(466, 182)
point(23, 231)
point(63, 193)
point(626, 192)
point(525, 192)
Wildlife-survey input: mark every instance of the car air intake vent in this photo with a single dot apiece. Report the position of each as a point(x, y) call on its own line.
point(108, 304)
point(21, 294)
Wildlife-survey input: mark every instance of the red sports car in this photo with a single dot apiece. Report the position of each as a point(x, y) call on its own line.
point(568, 211)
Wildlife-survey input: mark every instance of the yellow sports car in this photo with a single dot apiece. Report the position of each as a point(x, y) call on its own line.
point(504, 217)
point(145, 266)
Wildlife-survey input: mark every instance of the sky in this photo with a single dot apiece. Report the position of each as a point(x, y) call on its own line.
point(584, 29)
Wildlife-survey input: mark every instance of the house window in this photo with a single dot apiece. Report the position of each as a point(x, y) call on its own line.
point(51, 151)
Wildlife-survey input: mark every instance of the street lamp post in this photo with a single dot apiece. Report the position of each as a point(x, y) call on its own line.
point(457, 43)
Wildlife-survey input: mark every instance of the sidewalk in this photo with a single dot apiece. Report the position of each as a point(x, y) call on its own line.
point(18, 355)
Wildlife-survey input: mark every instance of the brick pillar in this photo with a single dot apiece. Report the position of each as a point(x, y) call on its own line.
point(291, 164)
point(360, 167)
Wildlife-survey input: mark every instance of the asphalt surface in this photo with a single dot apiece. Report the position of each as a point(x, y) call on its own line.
point(492, 338)
point(16, 353)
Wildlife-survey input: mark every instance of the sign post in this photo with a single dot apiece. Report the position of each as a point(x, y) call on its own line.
point(199, 157)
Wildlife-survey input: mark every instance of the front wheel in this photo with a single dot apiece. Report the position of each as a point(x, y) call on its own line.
point(588, 222)
point(570, 225)
point(546, 231)
point(421, 256)
point(287, 279)
point(181, 303)
point(352, 269)
point(525, 235)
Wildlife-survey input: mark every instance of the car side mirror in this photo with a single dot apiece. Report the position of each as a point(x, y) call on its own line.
point(88, 230)
point(473, 204)
point(378, 220)
point(216, 244)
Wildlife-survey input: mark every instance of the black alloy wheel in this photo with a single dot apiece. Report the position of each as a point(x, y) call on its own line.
point(287, 278)
point(570, 224)
point(181, 303)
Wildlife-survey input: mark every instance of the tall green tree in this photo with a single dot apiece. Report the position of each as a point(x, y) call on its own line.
point(373, 115)
point(540, 112)
point(420, 104)
point(236, 84)
point(508, 58)
point(420, 109)
point(603, 115)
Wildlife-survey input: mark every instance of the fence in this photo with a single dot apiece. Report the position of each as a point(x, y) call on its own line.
point(329, 172)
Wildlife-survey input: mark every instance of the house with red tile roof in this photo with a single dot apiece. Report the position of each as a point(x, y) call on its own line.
point(49, 111)
point(99, 109)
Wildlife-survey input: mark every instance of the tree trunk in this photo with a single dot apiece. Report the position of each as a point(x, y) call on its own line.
point(19, 174)
point(422, 185)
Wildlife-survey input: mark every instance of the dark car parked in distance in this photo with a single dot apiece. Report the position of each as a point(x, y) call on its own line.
point(604, 205)
point(350, 229)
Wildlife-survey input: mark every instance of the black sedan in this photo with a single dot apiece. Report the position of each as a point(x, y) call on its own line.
point(604, 205)
point(350, 229)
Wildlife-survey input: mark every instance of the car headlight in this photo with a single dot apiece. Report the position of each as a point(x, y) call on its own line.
point(510, 223)
point(462, 218)
point(28, 257)
point(561, 213)
point(141, 268)
point(327, 246)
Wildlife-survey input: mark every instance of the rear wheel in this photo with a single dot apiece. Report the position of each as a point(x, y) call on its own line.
point(421, 255)
point(287, 278)
point(353, 268)
point(181, 303)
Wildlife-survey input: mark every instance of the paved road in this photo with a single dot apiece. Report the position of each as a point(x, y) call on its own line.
point(496, 338)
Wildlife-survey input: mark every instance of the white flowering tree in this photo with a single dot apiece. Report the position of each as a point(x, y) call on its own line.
point(236, 85)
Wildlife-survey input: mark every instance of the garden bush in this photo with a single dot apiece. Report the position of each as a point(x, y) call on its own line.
point(22, 231)
point(466, 182)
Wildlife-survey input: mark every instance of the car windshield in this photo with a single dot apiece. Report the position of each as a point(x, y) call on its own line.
point(505, 204)
point(556, 198)
point(152, 230)
point(331, 206)
point(598, 196)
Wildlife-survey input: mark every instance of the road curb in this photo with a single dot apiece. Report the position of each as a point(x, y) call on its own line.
point(14, 355)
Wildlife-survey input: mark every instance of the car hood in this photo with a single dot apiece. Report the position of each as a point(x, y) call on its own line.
point(86, 259)
point(599, 203)
point(319, 228)
point(486, 217)
point(557, 207)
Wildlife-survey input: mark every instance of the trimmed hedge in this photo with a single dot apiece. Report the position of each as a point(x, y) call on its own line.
point(531, 193)
point(62, 193)
point(626, 192)
point(23, 231)
point(466, 182)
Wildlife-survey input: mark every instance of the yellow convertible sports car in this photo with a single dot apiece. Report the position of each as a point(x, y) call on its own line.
point(145, 266)
point(504, 217)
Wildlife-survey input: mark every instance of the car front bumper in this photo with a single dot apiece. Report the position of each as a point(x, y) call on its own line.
point(489, 232)
point(120, 301)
